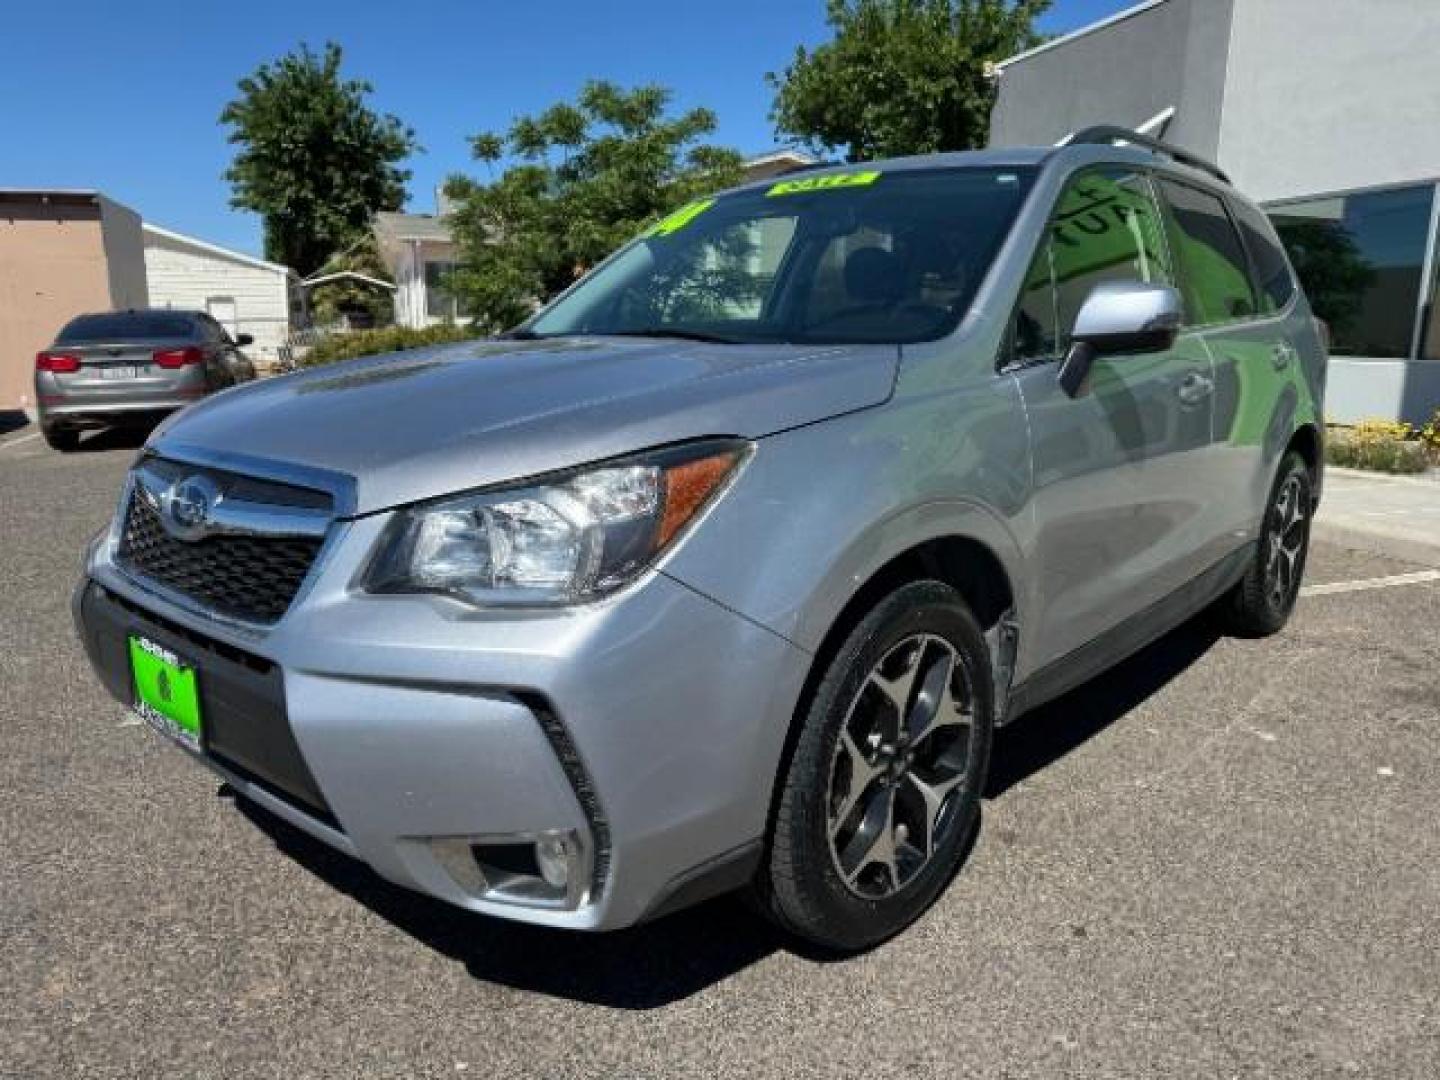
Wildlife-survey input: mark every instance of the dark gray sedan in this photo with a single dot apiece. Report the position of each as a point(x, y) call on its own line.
point(128, 367)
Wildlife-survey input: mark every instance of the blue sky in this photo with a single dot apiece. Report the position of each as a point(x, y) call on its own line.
point(124, 96)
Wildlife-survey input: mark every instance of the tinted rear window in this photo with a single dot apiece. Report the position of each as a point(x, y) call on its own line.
point(1216, 274)
point(1272, 271)
point(125, 326)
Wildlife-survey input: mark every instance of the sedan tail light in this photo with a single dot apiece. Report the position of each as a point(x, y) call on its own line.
point(59, 363)
point(178, 358)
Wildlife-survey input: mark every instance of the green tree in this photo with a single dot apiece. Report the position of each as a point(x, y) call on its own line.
point(901, 76)
point(315, 162)
point(586, 177)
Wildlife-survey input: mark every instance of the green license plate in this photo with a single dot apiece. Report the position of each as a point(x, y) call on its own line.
point(165, 690)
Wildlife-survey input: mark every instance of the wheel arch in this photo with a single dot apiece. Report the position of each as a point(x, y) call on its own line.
point(1308, 442)
point(968, 564)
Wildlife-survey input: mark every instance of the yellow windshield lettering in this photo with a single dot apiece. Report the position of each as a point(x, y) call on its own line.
point(823, 183)
point(678, 219)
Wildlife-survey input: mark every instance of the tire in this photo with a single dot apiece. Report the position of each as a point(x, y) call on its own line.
point(918, 642)
point(1261, 603)
point(65, 440)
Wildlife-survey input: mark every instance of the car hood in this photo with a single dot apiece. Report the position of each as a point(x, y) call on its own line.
point(409, 426)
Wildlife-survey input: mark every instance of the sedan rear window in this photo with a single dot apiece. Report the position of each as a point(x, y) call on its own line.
point(125, 326)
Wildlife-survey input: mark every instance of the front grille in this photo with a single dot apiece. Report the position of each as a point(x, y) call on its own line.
point(246, 577)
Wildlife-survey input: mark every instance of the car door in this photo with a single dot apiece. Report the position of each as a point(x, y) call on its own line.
point(1120, 510)
point(1263, 390)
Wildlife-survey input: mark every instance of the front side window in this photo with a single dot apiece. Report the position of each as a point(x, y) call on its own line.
point(1105, 227)
point(859, 257)
point(1360, 259)
point(1214, 275)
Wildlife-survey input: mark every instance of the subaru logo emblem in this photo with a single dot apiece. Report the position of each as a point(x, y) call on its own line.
point(186, 506)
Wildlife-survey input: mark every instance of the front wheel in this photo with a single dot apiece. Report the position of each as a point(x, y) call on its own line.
point(1261, 603)
point(882, 795)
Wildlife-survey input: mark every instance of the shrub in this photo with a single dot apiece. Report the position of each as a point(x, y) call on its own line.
point(1379, 445)
point(1430, 433)
point(387, 339)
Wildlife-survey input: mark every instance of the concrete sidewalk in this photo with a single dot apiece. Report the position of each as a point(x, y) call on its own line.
point(1397, 516)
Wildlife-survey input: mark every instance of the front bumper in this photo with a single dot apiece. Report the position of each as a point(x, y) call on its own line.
point(649, 726)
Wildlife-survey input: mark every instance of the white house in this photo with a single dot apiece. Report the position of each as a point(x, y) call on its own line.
point(245, 294)
point(419, 252)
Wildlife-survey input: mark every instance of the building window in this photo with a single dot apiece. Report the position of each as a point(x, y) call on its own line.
point(439, 304)
point(1360, 258)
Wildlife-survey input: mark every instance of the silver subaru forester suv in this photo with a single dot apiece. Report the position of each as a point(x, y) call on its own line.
point(721, 570)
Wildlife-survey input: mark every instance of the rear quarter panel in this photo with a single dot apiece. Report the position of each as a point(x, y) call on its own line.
point(1259, 405)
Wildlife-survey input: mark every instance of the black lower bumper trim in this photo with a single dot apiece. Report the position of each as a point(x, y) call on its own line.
point(242, 696)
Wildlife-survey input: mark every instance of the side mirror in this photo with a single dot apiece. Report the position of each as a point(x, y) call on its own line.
point(244, 339)
point(1120, 318)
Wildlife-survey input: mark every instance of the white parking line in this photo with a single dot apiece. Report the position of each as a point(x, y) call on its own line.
point(22, 438)
point(1420, 577)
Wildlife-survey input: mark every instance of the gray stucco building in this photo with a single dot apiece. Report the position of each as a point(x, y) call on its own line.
point(1326, 111)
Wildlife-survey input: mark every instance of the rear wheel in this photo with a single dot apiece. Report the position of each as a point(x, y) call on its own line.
point(1261, 603)
point(882, 794)
point(63, 439)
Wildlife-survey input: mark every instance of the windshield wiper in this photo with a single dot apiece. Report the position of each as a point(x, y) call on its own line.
point(671, 332)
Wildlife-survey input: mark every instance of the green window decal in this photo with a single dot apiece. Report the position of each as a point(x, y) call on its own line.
point(824, 183)
point(678, 219)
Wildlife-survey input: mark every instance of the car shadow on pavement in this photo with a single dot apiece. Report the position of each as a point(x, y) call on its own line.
point(644, 967)
point(12, 420)
point(659, 963)
point(130, 437)
point(1041, 737)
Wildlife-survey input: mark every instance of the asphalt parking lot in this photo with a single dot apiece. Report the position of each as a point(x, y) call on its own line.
point(1220, 860)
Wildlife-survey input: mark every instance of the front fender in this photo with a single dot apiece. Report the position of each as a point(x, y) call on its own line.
point(820, 510)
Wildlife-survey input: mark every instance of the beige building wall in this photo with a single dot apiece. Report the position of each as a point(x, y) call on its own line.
point(61, 254)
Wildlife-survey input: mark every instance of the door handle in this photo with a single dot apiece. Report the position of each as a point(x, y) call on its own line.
point(1281, 355)
point(1194, 388)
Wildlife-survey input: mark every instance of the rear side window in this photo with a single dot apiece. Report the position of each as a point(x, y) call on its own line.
point(1272, 270)
point(1214, 275)
point(212, 330)
point(1105, 227)
point(124, 326)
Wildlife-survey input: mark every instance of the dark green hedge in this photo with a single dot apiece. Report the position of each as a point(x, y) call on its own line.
point(384, 340)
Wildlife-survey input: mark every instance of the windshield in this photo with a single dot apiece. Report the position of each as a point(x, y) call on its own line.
point(117, 326)
point(865, 256)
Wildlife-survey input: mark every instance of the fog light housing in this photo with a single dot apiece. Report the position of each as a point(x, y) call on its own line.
point(553, 857)
point(540, 869)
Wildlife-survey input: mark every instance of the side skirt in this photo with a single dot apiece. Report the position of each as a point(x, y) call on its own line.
point(1130, 636)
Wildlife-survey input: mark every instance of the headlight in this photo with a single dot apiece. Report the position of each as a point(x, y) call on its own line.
point(570, 538)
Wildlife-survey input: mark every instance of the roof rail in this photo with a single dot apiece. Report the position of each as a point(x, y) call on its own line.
point(1109, 134)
